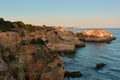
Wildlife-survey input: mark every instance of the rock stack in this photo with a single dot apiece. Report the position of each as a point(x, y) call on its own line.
point(96, 35)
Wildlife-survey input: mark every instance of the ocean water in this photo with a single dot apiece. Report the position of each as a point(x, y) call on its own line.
point(86, 58)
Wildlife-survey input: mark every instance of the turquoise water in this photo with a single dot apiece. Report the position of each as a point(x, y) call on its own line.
point(86, 58)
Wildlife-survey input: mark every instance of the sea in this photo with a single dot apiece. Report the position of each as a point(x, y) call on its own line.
point(86, 58)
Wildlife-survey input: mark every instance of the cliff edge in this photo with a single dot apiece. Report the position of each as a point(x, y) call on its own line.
point(29, 52)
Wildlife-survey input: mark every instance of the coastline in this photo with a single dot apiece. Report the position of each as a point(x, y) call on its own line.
point(32, 52)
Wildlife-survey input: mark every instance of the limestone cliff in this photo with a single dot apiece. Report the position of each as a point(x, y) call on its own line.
point(30, 62)
point(56, 38)
point(29, 52)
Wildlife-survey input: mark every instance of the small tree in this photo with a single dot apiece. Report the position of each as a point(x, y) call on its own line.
point(37, 41)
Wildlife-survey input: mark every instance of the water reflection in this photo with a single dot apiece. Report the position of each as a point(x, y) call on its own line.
point(101, 45)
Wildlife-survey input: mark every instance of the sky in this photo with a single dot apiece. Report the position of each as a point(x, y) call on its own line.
point(65, 13)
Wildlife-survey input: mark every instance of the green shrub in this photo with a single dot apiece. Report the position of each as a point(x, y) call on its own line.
point(11, 57)
point(37, 41)
point(16, 73)
point(5, 25)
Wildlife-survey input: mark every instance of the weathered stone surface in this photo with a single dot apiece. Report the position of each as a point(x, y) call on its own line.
point(28, 52)
point(31, 62)
point(61, 47)
point(28, 61)
point(70, 37)
point(63, 41)
point(9, 38)
point(56, 38)
point(56, 74)
point(36, 60)
point(95, 36)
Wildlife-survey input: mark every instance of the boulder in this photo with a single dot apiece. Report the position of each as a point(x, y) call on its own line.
point(96, 35)
point(100, 65)
point(73, 74)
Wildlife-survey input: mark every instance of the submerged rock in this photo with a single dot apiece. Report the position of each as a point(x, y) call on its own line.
point(73, 74)
point(100, 65)
point(96, 35)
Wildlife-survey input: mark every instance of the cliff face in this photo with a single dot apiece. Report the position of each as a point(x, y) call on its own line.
point(25, 56)
point(40, 63)
point(95, 36)
point(63, 41)
point(55, 38)
point(30, 62)
point(29, 52)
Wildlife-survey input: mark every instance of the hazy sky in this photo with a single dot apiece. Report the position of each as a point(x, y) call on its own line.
point(67, 13)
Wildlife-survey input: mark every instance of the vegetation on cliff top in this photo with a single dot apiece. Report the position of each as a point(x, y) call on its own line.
point(10, 26)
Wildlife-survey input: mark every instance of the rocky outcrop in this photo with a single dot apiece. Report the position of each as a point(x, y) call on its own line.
point(69, 36)
point(9, 69)
point(56, 38)
point(40, 63)
point(63, 41)
point(95, 36)
point(30, 62)
point(29, 52)
point(100, 65)
point(24, 54)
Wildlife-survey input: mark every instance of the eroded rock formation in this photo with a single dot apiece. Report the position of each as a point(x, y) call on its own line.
point(29, 52)
point(95, 36)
